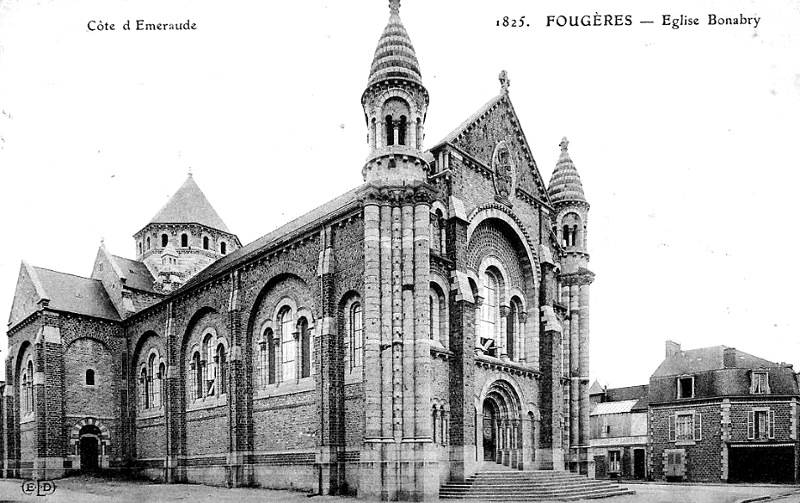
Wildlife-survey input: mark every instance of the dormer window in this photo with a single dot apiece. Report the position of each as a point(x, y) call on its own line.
point(686, 387)
point(759, 383)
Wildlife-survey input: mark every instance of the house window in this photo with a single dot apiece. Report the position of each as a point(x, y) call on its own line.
point(288, 344)
point(90, 377)
point(614, 461)
point(164, 240)
point(205, 242)
point(760, 424)
point(686, 387)
point(759, 383)
point(184, 240)
point(356, 336)
point(685, 427)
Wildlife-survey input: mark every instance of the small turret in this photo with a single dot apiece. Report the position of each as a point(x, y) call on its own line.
point(395, 104)
point(572, 209)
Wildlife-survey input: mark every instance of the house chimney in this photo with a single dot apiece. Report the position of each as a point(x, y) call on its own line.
point(729, 358)
point(673, 348)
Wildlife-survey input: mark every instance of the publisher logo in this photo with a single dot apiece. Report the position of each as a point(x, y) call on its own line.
point(38, 487)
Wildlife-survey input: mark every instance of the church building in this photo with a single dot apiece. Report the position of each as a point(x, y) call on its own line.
point(430, 322)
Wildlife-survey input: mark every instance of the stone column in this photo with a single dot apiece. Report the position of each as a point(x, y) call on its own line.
point(398, 457)
point(584, 364)
point(48, 389)
point(330, 364)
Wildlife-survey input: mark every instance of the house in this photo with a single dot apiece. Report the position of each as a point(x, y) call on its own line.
point(718, 414)
point(618, 431)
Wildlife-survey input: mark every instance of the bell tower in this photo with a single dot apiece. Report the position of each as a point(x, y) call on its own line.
point(398, 457)
point(395, 104)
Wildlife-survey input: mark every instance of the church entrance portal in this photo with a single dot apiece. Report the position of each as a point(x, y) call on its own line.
point(489, 432)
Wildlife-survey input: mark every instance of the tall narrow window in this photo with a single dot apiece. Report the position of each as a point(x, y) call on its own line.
point(512, 329)
point(288, 344)
point(140, 247)
point(148, 242)
point(184, 240)
point(222, 364)
point(198, 376)
point(145, 389)
point(401, 133)
point(205, 242)
point(223, 248)
point(389, 130)
point(211, 367)
point(305, 348)
point(164, 240)
point(89, 377)
point(441, 235)
point(152, 398)
point(271, 363)
point(162, 381)
point(356, 336)
point(490, 313)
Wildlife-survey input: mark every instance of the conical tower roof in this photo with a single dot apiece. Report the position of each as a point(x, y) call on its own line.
point(189, 205)
point(565, 184)
point(394, 57)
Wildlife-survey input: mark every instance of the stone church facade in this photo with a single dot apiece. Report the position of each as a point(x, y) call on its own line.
point(429, 321)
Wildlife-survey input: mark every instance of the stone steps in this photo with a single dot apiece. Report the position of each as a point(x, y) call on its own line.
point(530, 485)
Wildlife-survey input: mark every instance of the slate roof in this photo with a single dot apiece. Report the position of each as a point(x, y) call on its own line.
point(627, 393)
point(565, 183)
point(284, 231)
point(75, 294)
point(472, 118)
point(136, 273)
point(189, 205)
point(693, 361)
point(394, 56)
point(620, 407)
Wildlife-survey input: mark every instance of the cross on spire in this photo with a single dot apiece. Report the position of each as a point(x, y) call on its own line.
point(564, 144)
point(394, 7)
point(504, 81)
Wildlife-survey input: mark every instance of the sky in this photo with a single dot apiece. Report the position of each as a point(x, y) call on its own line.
point(686, 139)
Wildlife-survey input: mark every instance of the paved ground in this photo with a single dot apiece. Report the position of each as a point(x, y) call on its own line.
point(92, 490)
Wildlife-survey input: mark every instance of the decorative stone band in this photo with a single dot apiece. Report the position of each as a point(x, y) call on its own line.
point(397, 194)
point(395, 164)
point(584, 277)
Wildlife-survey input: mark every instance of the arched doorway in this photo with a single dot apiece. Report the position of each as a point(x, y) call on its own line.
point(489, 431)
point(89, 447)
point(502, 428)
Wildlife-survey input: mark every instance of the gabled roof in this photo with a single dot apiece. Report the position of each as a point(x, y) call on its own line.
point(61, 292)
point(136, 273)
point(189, 205)
point(530, 180)
point(693, 361)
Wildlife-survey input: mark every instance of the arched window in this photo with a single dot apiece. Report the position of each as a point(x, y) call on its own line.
point(145, 389)
point(139, 245)
point(512, 331)
point(211, 367)
point(162, 381)
point(288, 344)
point(389, 130)
point(490, 313)
point(26, 400)
point(441, 234)
point(223, 248)
point(401, 133)
point(197, 367)
point(184, 240)
point(305, 348)
point(89, 377)
point(272, 365)
point(434, 423)
point(222, 364)
point(164, 240)
point(205, 242)
point(153, 388)
point(438, 316)
point(356, 336)
point(148, 242)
